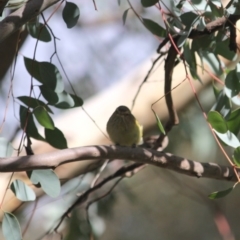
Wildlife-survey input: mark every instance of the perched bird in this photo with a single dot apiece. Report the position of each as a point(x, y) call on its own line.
point(123, 128)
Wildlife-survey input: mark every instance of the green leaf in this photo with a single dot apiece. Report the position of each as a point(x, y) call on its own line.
point(56, 138)
point(217, 122)
point(203, 43)
point(236, 156)
point(33, 102)
point(222, 104)
point(228, 138)
point(149, 3)
point(220, 194)
point(216, 90)
point(232, 86)
point(6, 148)
point(201, 25)
point(233, 121)
point(22, 191)
point(46, 73)
point(212, 61)
point(183, 38)
point(154, 28)
point(65, 101)
point(124, 17)
point(27, 123)
point(222, 48)
point(39, 31)
point(10, 227)
point(160, 126)
point(32, 67)
point(189, 18)
point(78, 102)
point(43, 118)
point(49, 95)
point(48, 181)
point(189, 56)
point(61, 100)
point(216, 8)
point(70, 14)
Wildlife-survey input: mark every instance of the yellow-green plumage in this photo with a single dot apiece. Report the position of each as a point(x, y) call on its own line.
point(123, 128)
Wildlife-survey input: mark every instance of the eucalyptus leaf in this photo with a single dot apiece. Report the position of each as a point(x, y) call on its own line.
point(236, 156)
point(61, 100)
point(229, 139)
point(46, 73)
point(39, 31)
point(124, 17)
point(217, 122)
point(154, 28)
point(10, 227)
point(70, 14)
point(43, 118)
point(233, 121)
point(213, 62)
point(56, 138)
point(48, 180)
point(22, 191)
point(220, 194)
point(160, 126)
point(33, 102)
point(149, 3)
point(232, 84)
point(28, 124)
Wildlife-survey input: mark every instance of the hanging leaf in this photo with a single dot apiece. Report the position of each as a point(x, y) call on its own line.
point(228, 138)
point(217, 9)
point(160, 126)
point(220, 194)
point(189, 56)
point(48, 180)
point(232, 85)
point(61, 100)
point(154, 28)
point(124, 17)
point(217, 122)
point(149, 3)
point(22, 191)
point(70, 14)
point(236, 156)
point(233, 121)
point(28, 124)
point(33, 102)
point(10, 227)
point(46, 73)
point(213, 62)
point(43, 118)
point(222, 105)
point(222, 48)
point(56, 138)
point(39, 31)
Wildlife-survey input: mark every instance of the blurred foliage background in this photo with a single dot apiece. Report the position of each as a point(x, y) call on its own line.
point(155, 203)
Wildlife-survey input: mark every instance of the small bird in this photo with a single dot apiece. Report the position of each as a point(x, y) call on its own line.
point(123, 128)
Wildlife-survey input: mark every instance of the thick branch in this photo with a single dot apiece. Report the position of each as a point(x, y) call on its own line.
point(140, 155)
point(21, 16)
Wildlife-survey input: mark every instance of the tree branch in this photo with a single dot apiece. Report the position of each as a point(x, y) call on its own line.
point(17, 19)
point(139, 155)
